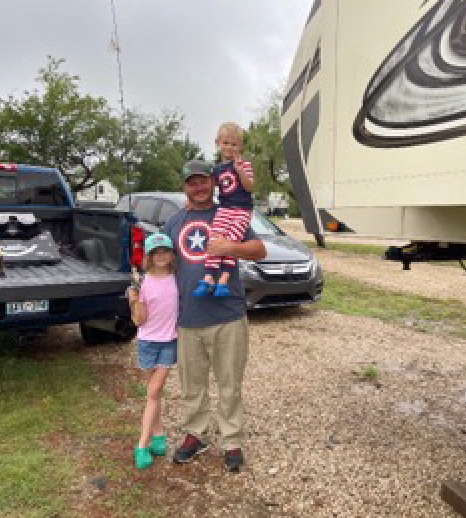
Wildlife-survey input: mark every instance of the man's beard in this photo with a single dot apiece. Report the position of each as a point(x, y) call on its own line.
point(205, 199)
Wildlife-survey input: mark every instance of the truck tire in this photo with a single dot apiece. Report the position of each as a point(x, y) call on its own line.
point(93, 336)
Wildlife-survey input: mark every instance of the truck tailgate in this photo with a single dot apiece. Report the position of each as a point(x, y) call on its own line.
point(70, 278)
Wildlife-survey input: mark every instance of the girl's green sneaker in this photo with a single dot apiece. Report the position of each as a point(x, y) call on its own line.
point(142, 457)
point(157, 445)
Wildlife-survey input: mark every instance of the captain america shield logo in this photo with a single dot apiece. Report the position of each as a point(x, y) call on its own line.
point(228, 182)
point(192, 241)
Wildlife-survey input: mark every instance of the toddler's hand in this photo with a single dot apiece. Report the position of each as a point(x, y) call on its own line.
point(238, 165)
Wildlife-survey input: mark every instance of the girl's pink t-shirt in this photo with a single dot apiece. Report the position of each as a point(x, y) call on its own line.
point(160, 295)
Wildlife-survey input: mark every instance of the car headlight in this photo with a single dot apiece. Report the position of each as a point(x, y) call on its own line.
point(312, 263)
point(247, 268)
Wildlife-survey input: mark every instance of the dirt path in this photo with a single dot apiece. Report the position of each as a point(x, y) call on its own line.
point(430, 280)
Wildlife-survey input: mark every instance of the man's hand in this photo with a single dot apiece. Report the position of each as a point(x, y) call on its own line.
point(219, 245)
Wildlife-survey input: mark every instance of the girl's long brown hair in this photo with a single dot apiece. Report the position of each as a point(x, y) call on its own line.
point(147, 263)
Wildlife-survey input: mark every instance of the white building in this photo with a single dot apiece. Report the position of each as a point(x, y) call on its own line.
point(103, 191)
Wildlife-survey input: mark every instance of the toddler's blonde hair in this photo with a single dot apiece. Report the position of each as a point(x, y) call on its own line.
point(230, 128)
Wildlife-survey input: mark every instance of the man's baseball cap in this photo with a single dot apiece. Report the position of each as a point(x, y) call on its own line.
point(198, 167)
point(157, 241)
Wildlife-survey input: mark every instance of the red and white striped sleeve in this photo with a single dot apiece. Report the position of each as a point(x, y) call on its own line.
point(248, 169)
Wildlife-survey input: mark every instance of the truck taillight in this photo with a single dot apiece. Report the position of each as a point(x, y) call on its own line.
point(137, 247)
point(9, 167)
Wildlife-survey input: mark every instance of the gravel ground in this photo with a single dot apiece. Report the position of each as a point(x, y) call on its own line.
point(430, 280)
point(322, 441)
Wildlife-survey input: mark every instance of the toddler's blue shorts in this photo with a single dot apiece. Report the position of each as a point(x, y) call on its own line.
point(156, 354)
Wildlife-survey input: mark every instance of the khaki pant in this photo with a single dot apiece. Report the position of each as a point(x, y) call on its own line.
point(225, 347)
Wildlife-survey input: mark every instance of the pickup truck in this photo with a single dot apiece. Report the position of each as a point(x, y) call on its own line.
point(60, 263)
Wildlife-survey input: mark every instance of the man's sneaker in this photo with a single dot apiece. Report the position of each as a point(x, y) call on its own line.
point(233, 460)
point(192, 446)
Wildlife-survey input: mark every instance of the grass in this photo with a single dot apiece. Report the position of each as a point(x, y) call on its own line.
point(355, 298)
point(137, 390)
point(44, 402)
point(352, 248)
point(369, 372)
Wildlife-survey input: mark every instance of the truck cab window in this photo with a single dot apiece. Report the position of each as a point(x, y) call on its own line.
point(39, 189)
point(7, 190)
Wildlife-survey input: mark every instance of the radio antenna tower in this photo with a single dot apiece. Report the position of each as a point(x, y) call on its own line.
point(116, 47)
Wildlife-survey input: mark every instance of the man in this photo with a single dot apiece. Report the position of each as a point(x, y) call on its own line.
point(211, 330)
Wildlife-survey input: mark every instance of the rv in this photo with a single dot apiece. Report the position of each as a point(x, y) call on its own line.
point(374, 123)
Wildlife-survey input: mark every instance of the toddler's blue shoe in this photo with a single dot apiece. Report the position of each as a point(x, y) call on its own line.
point(221, 290)
point(202, 289)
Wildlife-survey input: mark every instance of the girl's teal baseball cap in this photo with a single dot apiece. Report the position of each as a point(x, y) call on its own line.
point(157, 241)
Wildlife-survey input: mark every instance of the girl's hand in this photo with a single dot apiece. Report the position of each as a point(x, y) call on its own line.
point(132, 295)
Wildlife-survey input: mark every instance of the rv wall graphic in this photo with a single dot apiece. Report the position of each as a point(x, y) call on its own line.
point(418, 94)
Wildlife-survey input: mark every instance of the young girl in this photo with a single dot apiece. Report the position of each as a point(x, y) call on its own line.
point(155, 310)
point(234, 177)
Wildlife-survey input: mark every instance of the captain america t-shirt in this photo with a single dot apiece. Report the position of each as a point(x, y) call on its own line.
point(189, 232)
point(231, 192)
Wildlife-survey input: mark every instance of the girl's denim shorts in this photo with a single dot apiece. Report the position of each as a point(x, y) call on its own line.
point(156, 354)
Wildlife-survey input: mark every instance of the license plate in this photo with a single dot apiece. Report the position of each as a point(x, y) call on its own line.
point(27, 307)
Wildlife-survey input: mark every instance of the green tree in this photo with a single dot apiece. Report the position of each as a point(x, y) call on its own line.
point(59, 127)
point(165, 150)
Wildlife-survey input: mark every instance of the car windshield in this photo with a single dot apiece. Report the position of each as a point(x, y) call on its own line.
point(262, 226)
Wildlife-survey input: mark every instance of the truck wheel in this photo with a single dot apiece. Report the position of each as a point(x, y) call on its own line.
point(126, 331)
point(94, 336)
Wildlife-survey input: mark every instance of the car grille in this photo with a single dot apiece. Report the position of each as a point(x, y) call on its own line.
point(283, 300)
point(285, 272)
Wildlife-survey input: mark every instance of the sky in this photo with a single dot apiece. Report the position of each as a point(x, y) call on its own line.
point(214, 60)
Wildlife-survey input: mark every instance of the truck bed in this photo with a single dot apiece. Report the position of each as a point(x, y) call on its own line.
point(69, 278)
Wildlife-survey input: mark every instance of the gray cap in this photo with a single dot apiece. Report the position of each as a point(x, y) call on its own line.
point(196, 167)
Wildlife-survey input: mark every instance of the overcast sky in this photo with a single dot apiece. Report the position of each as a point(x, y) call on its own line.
point(215, 60)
